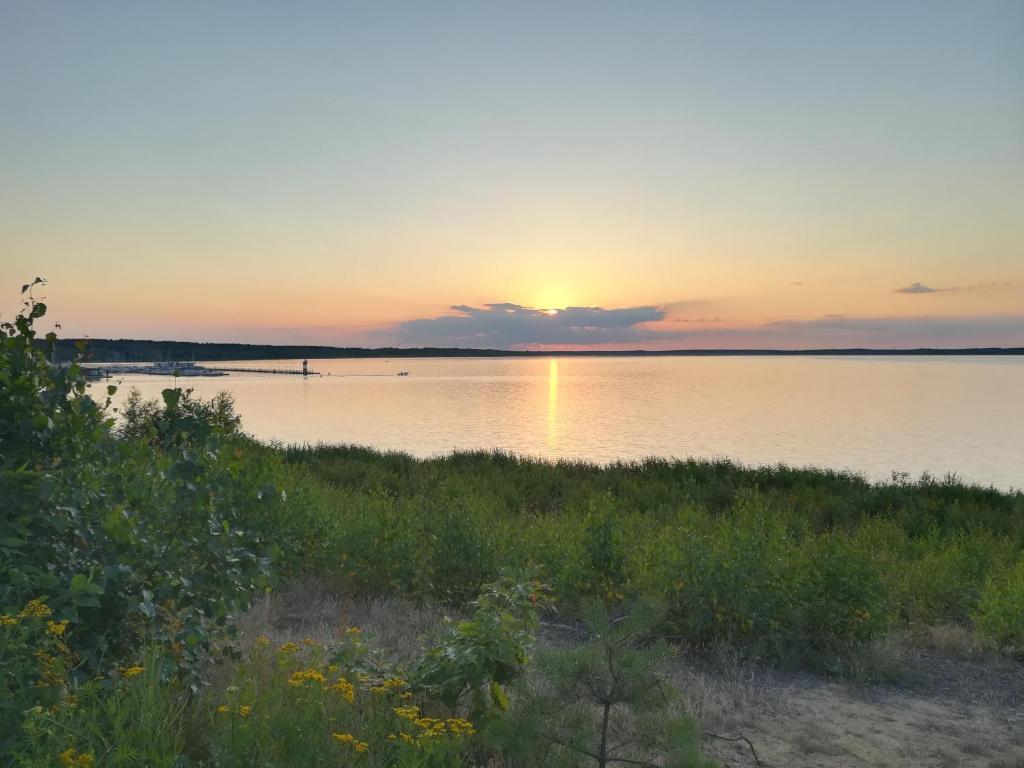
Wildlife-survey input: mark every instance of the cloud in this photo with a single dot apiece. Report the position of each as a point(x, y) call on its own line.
point(918, 288)
point(973, 288)
point(507, 325)
point(986, 287)
point(514, 326)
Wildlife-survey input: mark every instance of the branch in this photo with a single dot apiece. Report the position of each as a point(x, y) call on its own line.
point(627, 761)
point(739, 738)
point(588, 753)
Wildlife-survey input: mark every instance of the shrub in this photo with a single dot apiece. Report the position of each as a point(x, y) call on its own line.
point(604, 555)
point(132, 536)
point(843, 598)
point(474, 659)
point(1000, 612)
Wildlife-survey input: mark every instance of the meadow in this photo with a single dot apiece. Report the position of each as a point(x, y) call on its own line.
point(131, 543)
point(797, 565)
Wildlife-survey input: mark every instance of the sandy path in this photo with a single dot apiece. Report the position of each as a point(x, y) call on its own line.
point(954, 713)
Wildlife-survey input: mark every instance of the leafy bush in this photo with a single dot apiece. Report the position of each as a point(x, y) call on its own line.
point(475, 658)
point(143, 534)
point(1000, 612)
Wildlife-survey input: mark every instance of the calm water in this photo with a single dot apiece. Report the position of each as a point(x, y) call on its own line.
point(874, 415)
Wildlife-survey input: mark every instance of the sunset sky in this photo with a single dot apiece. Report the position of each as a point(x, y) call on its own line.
point(664, 175)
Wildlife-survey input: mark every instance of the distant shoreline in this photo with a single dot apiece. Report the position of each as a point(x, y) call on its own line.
point(146, 351)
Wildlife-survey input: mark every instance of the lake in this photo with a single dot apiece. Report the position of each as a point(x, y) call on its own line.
point(873, 415)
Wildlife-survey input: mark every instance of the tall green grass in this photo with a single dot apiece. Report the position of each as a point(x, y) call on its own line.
point(780, 562)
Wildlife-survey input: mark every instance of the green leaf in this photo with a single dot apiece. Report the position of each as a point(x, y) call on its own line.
point(171, 398)
point(80, 583)
point(498, 696)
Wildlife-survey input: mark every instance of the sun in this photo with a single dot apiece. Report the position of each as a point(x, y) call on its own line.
point(553, 297)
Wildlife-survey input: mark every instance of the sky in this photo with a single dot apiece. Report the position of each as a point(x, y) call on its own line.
point(518, 174)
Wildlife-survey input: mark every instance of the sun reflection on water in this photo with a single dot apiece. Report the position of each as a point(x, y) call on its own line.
point(552, 402)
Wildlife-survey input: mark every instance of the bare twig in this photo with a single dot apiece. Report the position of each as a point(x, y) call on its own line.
point(743, 738)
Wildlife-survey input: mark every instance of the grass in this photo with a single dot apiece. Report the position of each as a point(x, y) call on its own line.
point(793, 564)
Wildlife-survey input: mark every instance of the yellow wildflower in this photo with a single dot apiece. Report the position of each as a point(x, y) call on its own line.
point(407, 713)
point(69, 758)
point(309, 641)
point(459, 727)
point(360, 746)
point(133, 671)
point(391, 684)
point(430, 727)
point(345, 688)
point(405, 695)
point(50, 673)
point(353, 631)
point(35, 609)
point(262, 641)
point(8, 621)
point(288, 648)
point(57, 628)
point(344, 738)
point(223, 709)
point(244, 710)
point(303, 676)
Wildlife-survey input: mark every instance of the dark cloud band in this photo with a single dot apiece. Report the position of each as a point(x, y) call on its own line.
point(507, 325)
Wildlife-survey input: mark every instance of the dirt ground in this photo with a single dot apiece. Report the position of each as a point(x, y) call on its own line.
point(942, 712)
point(946, 708)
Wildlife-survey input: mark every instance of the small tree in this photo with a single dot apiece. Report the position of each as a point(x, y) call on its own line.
point(472, 660)
point(602, 703)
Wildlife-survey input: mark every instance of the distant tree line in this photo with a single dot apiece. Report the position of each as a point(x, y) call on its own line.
point(141, 350)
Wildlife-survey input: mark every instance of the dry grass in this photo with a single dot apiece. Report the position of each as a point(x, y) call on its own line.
point(956, 641)
point(724, 693)
point(312, 609)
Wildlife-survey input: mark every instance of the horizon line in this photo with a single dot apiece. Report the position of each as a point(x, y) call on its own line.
point(434, 351)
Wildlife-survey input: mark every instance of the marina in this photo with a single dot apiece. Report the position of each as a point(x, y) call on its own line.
point(188, 369)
